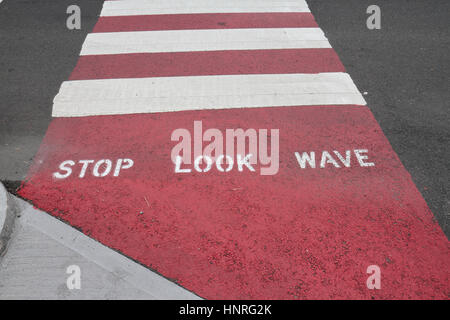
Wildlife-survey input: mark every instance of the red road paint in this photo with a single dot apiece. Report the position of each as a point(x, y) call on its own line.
point(206, 63)
point(206, 21)
point(299, 234)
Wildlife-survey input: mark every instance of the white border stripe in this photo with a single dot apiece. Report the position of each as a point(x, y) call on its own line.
point(165, 94)
point(203, 40)
point(145, 7)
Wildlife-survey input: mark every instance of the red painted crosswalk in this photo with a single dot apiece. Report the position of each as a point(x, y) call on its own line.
point(313, 199)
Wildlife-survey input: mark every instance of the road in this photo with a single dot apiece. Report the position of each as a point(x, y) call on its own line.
point(403, 67)
point(38, 53)
point(316, 197)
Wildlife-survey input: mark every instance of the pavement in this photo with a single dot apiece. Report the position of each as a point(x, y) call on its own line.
point(409, 100)
point(36, 262)
point(299, 229)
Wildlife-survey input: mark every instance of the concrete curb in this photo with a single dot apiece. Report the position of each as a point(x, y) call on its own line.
point(7, 217)
point(41, 248)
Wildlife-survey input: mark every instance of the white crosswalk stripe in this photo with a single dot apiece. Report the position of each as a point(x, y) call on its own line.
point(146, 7)
point(148, 95)
point(203, 40)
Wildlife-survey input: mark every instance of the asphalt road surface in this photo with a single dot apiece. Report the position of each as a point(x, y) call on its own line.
point(37, 53)
point(403, 68)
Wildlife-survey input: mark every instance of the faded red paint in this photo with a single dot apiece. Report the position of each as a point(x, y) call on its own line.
point(300, 234)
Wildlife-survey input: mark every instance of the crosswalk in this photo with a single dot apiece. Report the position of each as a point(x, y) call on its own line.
point(292, 63)
point(337, 201)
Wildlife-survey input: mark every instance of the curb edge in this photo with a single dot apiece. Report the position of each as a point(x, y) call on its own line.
point(7, 218)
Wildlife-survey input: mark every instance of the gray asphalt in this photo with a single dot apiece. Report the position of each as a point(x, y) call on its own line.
point(37, 53)
point(404, 68)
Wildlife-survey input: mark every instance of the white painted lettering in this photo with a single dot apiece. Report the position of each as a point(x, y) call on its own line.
point(361, 158)
point(64, 167)
point(120, 165)
point(178, 162)
point(200, 159)
point(244, 161)
point(84, 167)
point(305, 157)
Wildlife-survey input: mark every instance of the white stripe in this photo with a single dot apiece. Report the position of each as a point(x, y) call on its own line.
point(203, 40)
point(146, 7)
point(148, 95)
